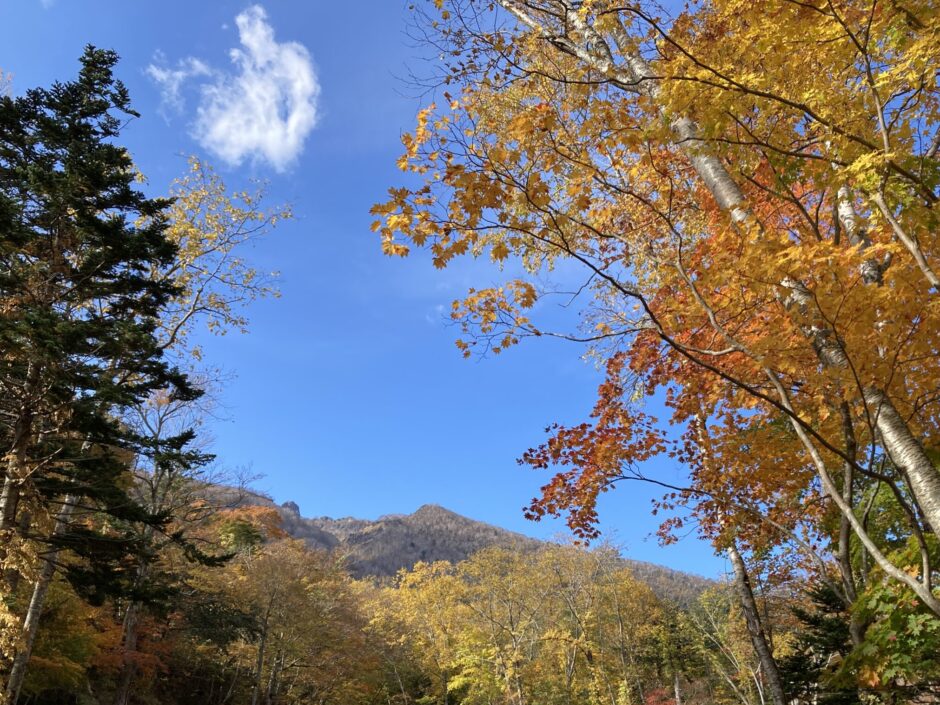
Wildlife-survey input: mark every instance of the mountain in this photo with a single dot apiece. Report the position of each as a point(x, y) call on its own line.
point(382, 547)
point(395, 541)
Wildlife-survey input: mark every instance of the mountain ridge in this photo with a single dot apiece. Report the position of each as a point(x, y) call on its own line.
point(381, 547)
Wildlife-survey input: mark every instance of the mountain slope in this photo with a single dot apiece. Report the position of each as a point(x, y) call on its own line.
point(382, 547)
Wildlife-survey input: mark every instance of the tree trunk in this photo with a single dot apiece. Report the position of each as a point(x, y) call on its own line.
point(128, 668)
point(130, 626)
point(272, 688)
point(9, 497)
point(907, 453)
point(259, 667)
point(848, 496)
point(16, 470)
point(754, 627)
point(34, 611)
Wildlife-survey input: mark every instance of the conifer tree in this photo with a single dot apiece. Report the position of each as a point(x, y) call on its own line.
point(78, 312)
point(823, 642)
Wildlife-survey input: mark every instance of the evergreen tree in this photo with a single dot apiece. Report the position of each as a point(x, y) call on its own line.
point(79, 302)
point(823, 642)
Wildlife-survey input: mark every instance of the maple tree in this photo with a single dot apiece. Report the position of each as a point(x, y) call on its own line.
point(750, 192)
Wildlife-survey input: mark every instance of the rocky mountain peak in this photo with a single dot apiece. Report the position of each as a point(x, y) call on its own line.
point(291, 507)
point(433, 510)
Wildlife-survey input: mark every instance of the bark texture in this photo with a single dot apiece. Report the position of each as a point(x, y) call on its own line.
point(755, 628)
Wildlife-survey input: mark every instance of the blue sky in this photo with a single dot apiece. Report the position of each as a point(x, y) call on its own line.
point(348, 394)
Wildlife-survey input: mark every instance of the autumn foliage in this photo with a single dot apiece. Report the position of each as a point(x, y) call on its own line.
point(743, 197)
point(749, 191)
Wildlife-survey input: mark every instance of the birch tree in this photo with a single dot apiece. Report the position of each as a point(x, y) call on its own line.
point(749, 192)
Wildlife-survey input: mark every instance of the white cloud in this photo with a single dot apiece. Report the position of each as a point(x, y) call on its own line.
point(263, 109)
point(170, 80)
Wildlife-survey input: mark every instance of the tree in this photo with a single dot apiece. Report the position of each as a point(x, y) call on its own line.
point(78, 336)
point(726, 646)
point(212, 227)
point(822, 646)
point(73, 636)
point(745, 230)
point(306, 639)
point(750, 194)
point(423, 610)
point(558, 626)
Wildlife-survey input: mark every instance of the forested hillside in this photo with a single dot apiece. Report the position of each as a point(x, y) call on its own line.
point(398, 541)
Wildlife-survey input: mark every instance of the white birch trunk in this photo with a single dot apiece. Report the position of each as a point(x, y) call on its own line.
point(34, 611)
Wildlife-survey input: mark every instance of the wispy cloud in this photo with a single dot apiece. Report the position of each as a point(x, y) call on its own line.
point(436, 315)
point(262, 109)
point(171, 80)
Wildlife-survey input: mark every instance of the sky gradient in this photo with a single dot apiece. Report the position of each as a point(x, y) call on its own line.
point(348, 394)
